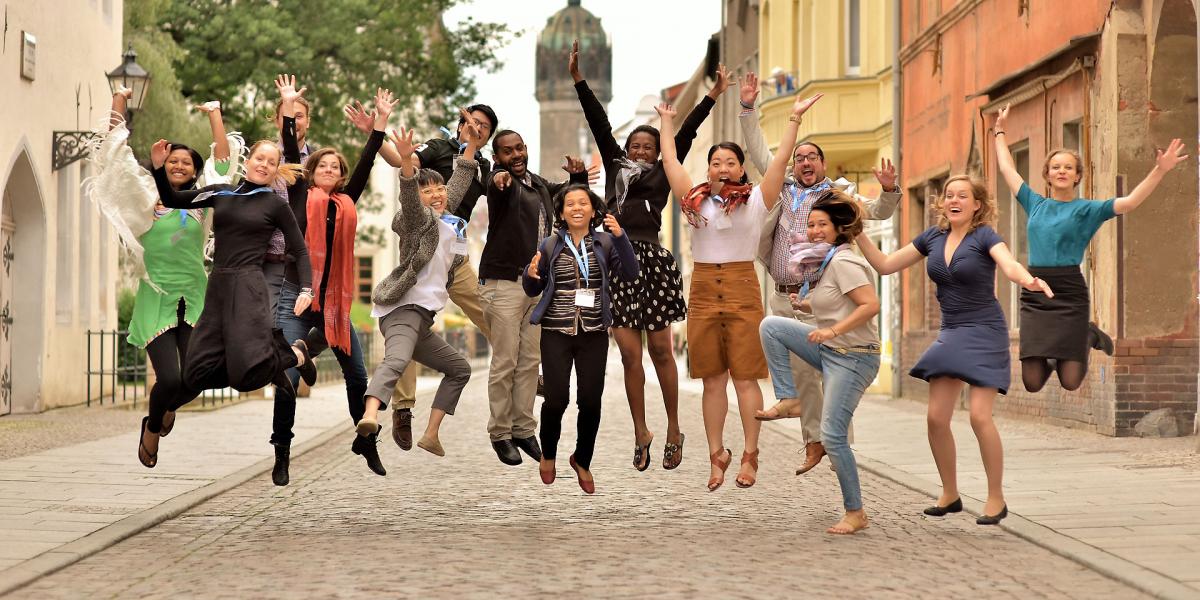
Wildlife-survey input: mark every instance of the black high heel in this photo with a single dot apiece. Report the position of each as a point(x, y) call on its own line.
point(150, 462)
point(941, 511)
point(993, 519)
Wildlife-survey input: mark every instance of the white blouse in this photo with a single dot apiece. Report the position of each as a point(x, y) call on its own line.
point(729, 239)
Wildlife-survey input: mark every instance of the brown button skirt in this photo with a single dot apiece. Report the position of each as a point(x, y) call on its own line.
point(724, 311)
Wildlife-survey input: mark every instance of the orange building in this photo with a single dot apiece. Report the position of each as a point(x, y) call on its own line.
point(1114, 80)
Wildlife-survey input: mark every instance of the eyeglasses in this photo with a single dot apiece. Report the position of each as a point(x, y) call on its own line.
point(812, 158)
point(433, 189)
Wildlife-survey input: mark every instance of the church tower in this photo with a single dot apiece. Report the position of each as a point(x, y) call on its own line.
point(564, 129)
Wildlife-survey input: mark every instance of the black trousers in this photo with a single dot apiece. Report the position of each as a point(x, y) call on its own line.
point(235, 342)
point(168, 354)
point(588, 352)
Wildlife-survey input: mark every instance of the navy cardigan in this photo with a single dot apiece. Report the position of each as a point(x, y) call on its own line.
point(618, 253)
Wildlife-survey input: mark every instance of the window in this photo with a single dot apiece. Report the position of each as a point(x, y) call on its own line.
point(1011, 223)
point(853, 40)
point(64, 273)
point(365, 278)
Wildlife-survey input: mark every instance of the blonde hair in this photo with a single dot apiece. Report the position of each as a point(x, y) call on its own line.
point(288, 172)
point(1074, 154)
point(986, 215)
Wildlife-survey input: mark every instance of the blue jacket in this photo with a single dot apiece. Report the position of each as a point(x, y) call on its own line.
point(618, 252)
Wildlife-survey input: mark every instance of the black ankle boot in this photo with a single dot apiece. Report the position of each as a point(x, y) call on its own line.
point(1099, 340)
point(366, 447)
point(283, 454)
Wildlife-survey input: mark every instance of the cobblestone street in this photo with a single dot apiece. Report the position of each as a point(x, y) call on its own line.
point(467, 526)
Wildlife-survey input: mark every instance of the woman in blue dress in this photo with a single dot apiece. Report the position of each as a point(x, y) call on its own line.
point(972, 346)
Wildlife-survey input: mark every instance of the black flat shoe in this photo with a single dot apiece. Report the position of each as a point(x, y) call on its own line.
point(147, 459)
point(283, 454)
point(365, 446)
point(506, 452)
point(315, 340)
point(993, 519)
point(1099, 340)
point(941, 511)
point(308, 371)
point(530, 446)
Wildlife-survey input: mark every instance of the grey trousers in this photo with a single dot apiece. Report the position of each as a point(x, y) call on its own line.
point(407, 337)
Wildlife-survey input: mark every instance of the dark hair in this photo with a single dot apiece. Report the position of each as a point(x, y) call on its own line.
point(820, 152)
point(197, 161)
point(737, 151)
point(310, 166)
point(560, 200)
point(647, 129)
point(429, 177)
point(843, 211)
point(500, 134)
point(487, 112)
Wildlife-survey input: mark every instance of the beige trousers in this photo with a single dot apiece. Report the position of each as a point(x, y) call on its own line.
point(516, 354)
point(808, 379)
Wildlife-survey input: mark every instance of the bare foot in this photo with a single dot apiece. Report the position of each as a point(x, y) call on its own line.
point(852, 522)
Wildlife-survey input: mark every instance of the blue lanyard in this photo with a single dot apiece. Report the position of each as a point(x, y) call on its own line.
point(820, 270)
point(450, 137)
point(459, 225)
point(247, 193)
point(580, 257)
point(796, 200)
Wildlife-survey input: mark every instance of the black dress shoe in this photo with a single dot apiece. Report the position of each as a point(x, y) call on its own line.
point(365, 446)
point(315, 340)
point(541, 388)
point(506, 452)
point(1099, 340)
point(308, 370)
point(279, 474)
point(530, 446)
point(941, 511)
point(993, 519)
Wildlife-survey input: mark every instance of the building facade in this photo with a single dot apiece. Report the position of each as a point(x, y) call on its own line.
point(1114, 81)
point(60, 258)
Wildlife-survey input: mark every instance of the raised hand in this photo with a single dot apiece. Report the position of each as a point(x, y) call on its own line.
point(613, 227)
point(666, 111)
point(1167, 159)
point(286, 84)
point(383, 108)
point(124, 92)
point(749, 91)
point(209, 107)
point(573, 164)
point(471, 129)
point(533, 266)
point(359, 117)
point(799, 107)
point(1038, 285)
point(502, 179)
point(159, 152)
point(404, 142)
point(722, 83)
point(1001, 118)
point(885, 174)
point(593, 171)
point(573, 63)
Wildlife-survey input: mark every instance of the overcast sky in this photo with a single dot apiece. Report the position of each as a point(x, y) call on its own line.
point(656, 43)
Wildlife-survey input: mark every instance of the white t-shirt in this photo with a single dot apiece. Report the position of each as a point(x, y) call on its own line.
point(430, 289)
point(714, 243)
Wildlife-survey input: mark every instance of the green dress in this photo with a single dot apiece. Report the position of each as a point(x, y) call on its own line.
point(174, 259)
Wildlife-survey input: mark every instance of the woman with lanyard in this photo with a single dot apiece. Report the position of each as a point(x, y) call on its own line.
point(168, 245)
point(235, 342)
point(843, 346)
point(323, 200)
point(636, 189)
point(972, 345)
point(1059, 230)
point(725, 307)
point(575, 314)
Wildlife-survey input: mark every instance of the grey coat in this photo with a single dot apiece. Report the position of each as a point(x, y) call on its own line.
point(417, 227)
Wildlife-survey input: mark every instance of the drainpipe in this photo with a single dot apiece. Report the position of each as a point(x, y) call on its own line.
point(897, 154)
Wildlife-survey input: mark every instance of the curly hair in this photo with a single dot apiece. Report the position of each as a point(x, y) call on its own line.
point(986, 215)
point(314, 159)
point(560, 200)
point(843, 210)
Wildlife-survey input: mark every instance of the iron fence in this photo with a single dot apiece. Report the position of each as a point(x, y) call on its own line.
point(328, 369)
point(118, 372)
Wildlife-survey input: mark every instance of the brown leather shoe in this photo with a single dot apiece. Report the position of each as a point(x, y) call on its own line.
point(813, 451)
point(402, 428)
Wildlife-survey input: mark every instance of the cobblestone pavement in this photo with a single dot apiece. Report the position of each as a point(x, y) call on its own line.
point(467, 526)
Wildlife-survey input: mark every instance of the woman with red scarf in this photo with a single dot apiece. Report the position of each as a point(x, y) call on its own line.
point(725, 305)
point(323, 201)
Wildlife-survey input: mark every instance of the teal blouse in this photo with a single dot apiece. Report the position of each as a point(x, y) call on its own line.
point(1059, 232)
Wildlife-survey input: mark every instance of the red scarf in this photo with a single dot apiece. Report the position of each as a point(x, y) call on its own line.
point(735, 195)
point(339, 282)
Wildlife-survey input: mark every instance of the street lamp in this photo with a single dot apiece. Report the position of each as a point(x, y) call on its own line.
point(70, 146)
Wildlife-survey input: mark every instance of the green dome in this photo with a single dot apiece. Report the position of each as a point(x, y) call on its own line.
point(573, 23)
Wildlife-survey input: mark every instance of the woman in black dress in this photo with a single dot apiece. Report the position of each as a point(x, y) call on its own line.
point(972, 346)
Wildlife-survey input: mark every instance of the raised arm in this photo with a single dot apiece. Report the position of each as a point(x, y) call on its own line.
point(886, 264)
point(691, 124)
point(772, 182)
point(1004, 159)
point(286, 84)
point(362, 170)
point(411, 210)
point(681, 182)
point(1015, 272)
point(215, 123)
point(465, 165)
point(170, 197)
point(1164, 163)
point(752, 135)
point(120, 101)
point(593, 111)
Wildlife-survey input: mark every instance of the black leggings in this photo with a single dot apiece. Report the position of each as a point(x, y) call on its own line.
point(1035, 372)
point(589, 353)
point(167, 353)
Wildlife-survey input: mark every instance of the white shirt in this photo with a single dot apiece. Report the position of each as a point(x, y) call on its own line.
point(713, 244)
point(429, 291)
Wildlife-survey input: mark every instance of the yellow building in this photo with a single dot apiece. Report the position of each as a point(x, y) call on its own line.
point(840, 48)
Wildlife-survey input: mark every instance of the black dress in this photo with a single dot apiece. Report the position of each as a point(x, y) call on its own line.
point(972, 345)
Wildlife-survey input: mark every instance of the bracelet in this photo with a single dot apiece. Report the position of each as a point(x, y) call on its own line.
point(306, 292)
point(746, 106)
point(835, 332)
point(998, 133)
point(795, 119)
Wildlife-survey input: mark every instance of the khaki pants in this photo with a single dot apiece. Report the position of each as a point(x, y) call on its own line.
point(808, 379)
point(516, 354)
point(464, 292)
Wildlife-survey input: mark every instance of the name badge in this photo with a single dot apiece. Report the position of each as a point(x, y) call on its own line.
point(585, 298)
point(722, 221)
point(459, 246)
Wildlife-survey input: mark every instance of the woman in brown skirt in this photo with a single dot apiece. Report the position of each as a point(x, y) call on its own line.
point(725, 305)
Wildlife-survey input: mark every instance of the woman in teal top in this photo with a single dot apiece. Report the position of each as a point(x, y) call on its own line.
point(1059, 230)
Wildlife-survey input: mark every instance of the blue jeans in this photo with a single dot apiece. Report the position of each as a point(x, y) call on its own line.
point(354, 371)
point(844, 378)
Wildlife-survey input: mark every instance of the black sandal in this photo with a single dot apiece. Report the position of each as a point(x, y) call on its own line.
point(165, 428)
point(641, 456)
point(673, 454)
point(153, 458)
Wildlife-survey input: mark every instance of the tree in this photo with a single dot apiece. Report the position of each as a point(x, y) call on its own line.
point(232, 50)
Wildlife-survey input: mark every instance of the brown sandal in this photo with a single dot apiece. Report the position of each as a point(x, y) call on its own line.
point(752, 458)
point(673, 454)
point(715, 482)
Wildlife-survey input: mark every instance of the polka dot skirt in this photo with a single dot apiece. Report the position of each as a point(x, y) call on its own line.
point(655, 299)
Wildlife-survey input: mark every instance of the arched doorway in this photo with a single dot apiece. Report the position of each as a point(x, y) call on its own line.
point(23, 266)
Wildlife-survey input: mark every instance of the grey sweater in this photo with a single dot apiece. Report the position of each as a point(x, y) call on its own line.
point(417, 227)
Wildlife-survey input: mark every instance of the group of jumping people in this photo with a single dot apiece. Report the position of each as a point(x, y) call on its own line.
point(563, 270)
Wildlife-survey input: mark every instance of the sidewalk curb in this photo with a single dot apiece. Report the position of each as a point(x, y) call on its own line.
point(1109, 565)
point(27, 572)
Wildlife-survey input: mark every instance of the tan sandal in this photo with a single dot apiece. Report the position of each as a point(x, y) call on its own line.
point(752, 458)
point(846, 527)
point(779, 414)
point(715, 482)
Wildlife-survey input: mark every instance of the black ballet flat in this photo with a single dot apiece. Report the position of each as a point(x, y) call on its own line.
point(308, 370)
point(315, 340)
point(1099, 340)
point(993, 519)
point(941, 511)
